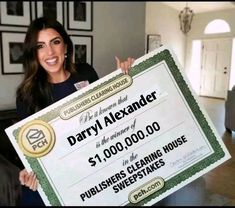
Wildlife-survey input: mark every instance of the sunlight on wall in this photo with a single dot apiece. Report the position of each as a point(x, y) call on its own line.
point(217, 26)
point(232, 72)
point(194, 74)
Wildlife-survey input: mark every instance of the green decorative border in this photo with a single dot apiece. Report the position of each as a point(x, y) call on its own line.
point(54, 113)
point(166, 56)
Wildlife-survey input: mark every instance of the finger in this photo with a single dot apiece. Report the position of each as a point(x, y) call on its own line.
point(122, 66)
point(23, 176)
point(30, 179)
point(127, 66)
point(129, 61)
point(34, 184)
point(132, 61)
point(26, 179)
point(31, 185)
point(118, 62)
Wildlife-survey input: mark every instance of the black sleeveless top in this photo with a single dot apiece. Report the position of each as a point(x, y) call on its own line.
point(84, 72)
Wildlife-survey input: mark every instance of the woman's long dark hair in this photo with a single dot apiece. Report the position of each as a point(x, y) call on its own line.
point(35, 91)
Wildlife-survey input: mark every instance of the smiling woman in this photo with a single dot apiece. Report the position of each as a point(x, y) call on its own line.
point(50, 75)
point(51, 51)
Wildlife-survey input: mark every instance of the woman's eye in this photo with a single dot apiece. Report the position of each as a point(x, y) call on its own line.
point(56, 42)
point(39, 46)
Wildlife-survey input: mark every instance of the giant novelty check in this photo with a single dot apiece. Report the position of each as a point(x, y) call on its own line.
point(123, 140)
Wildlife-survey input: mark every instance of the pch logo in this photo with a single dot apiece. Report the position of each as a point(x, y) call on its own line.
point(36, 138)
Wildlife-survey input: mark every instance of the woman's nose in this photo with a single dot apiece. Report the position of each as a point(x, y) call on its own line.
point(50, 50)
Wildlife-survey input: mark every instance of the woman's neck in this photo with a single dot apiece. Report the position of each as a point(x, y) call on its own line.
point(58, 77)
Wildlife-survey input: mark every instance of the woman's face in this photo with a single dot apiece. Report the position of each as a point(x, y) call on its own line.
point(51, 51)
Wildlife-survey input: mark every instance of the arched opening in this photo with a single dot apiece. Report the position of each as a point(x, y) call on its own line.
point(219, 47)
point(217, 26)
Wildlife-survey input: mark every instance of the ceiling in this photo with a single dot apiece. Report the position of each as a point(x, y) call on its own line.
point(203, 6)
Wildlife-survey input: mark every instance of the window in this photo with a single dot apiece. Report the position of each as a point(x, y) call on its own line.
point(217, 26)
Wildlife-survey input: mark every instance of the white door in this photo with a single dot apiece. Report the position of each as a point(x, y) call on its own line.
point(215, 71)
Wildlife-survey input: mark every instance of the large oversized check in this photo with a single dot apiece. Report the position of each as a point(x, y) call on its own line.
point(123, 140)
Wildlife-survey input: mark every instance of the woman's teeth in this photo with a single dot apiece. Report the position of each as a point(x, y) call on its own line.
point(51, 61)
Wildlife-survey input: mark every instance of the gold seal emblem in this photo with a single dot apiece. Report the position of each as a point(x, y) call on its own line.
point(36, 138)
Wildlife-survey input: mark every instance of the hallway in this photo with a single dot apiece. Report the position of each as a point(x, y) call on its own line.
point(221, 180)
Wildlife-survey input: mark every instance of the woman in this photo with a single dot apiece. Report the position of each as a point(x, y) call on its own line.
point(50, 74)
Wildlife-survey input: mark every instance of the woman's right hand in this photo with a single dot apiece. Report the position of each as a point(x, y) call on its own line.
point(124, 65)
point(28, 179)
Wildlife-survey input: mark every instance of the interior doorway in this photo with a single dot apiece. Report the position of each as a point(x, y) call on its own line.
point(215, 67)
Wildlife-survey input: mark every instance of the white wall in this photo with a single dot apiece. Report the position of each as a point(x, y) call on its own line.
point(118, 29)
point(8, 85)
point(162, 19)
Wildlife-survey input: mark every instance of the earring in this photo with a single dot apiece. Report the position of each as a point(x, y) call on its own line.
point(65, 57)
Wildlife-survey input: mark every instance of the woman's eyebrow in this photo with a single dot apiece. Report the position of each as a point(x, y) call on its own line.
point(50, 40)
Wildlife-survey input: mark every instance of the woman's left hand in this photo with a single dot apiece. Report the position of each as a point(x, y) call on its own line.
point(124, 65)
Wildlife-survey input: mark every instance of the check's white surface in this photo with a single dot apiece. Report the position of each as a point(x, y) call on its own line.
point(75, 181)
